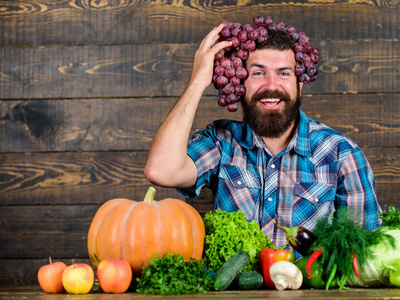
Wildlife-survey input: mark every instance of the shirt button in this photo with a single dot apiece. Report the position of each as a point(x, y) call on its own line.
point(270, 199)
point(316, 199)
point(273, 166)
point(239, 182)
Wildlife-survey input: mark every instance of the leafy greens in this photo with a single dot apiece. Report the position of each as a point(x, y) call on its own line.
point(228, 233)
point(173, 275)
point(341, 237)
point(391, 218)
point(373, 273)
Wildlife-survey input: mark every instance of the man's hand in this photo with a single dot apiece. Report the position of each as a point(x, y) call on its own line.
point(203, 64)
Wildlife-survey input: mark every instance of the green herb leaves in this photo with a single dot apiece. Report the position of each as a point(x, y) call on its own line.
point(172, 275)
point(341, 237)
point(391, 218)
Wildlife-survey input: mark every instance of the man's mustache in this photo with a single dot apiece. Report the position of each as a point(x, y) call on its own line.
point(268, 94)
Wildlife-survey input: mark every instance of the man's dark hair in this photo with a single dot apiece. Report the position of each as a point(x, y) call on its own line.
point(278, 40)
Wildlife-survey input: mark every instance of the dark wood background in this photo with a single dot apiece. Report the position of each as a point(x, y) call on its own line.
point(84, 85)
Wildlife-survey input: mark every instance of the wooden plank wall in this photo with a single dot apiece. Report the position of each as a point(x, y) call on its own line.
point(84, 86)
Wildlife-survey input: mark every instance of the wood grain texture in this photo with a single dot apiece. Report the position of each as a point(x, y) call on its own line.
point(93, 178)
point(79, 22)
point(74, 178)
point(24, 271)
point(33, 291)
point(130, 124)
point(43, 231)
point(84, 85)
point(93, 124)
point(150, 70)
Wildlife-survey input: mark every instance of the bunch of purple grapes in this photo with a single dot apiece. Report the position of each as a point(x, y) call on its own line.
point(229, 69)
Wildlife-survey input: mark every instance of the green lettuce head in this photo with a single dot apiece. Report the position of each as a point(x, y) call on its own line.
point(228, 233)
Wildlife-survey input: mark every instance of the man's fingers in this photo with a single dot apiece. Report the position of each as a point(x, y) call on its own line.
point(211, 37)
point(221, 45)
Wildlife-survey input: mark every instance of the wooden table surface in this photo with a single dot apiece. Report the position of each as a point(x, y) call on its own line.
point(34, 292)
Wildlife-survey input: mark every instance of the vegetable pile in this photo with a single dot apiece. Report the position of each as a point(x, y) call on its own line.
point(229, 233)
point(173, 275)
point(375, 271)
point(339, 253)
point(352, 256)
point(268, 258)
point(382, 269)
point(343, 245)
point(342, 255)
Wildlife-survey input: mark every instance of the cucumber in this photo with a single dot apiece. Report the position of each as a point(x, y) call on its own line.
point(228, 271)
point(248, 281)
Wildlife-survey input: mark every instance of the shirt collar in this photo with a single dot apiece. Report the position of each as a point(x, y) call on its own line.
point(300, 142)
point(301, 139)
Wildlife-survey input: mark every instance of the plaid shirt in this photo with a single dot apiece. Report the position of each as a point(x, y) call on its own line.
point(319, 172)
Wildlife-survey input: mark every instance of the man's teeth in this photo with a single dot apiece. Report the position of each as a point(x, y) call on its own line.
point(270, 100)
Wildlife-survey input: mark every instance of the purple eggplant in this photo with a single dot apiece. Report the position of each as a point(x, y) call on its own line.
point(299, 238)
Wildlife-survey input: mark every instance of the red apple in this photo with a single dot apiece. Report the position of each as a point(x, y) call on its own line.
point(114, 275)
point(78, 278)
point(50, 277)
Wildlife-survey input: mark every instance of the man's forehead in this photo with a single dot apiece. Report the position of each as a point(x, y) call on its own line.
point(265, 57)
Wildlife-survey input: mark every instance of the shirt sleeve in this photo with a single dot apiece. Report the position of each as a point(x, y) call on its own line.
point(204, 150)
point(356, 188)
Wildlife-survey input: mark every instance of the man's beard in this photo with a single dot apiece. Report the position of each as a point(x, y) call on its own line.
point(271, 123)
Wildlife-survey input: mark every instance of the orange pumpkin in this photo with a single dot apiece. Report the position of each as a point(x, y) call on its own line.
point(136, 231)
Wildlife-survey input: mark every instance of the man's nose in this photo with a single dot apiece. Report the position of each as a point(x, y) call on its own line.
point(270, 82)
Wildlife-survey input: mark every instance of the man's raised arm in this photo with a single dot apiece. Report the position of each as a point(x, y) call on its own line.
point(167, 163)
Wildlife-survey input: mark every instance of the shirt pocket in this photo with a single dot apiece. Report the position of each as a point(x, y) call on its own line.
point(239, 178)
point(314, 193)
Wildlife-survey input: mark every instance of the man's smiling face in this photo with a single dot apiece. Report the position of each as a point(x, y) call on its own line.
point(272, 99)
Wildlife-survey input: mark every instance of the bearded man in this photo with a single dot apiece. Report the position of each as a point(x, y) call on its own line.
point(275, 165)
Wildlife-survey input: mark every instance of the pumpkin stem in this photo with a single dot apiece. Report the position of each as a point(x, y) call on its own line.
point(149, 197)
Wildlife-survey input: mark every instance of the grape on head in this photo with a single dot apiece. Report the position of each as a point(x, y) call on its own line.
point(236, 30)
point(229, 67)
point(232, 107)
point(220, 54)
point(299, 69)
point(228, 89)
point(240, 90)
point(241, 72)
point(248, 27)
point(262, 38)
point(258, 20)
point(235, 41)
point(225, 62)
point(253, 35)
point(235, 80)
point(250, 45)
point(219, 70)
point(243, 36)
point(222, 101)
point(230, 72)
point(312, 71)
point(243, 54)
point(226, 32)
point(231, 98)
point(222, 81)
point(236, 62)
